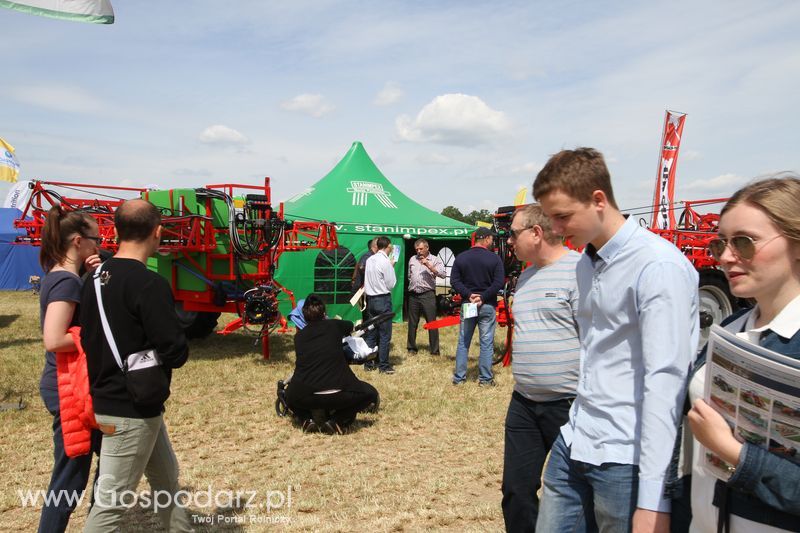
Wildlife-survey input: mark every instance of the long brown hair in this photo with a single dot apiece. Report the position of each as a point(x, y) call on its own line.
point(58, 227)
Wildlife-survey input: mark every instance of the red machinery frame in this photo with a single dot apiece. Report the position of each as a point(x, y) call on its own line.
point(185, 234)
point(693, 233)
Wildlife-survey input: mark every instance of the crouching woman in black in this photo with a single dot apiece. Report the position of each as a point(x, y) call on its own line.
point(324, 391)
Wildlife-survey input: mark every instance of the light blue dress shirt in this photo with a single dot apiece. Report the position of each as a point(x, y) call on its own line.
point(638, 323)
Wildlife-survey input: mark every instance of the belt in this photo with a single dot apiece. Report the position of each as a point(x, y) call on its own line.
point(378, 295)
point(422, 292)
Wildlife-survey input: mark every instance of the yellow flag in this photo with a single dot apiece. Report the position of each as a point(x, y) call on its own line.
point(9, 168)
point(519, 199)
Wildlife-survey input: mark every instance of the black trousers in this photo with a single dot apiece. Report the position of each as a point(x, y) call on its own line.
point(531, 429)
point(425, 304)
point(344, 405)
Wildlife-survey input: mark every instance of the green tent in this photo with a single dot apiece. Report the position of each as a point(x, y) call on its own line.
point(363, 204)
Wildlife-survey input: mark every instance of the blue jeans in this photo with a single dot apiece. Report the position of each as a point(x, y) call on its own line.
point(581, 497)
point(486, 322)
point(382, 335)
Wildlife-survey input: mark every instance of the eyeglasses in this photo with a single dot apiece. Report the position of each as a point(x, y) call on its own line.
point(515, 233)
point(742, 246)
point(97, 240)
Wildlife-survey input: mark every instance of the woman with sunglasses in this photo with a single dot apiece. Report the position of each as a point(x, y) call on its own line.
point(759, 250)
point(69, 242)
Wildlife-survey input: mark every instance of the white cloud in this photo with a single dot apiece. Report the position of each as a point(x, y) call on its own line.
point(434, 159)
point(67, 98)
point(690, 155)
point(222, 135)
point(390, 94)
point(724, 183)
point(313, 105)
point(456, 119)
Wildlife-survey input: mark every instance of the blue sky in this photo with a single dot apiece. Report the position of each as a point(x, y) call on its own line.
point(459, 103)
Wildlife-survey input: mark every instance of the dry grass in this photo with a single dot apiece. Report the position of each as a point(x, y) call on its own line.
point(430, 459)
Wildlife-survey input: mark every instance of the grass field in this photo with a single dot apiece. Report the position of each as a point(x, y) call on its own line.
point(430, 459)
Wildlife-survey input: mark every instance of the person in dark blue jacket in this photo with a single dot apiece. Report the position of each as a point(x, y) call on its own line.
point(478, 276)
point(759, 250)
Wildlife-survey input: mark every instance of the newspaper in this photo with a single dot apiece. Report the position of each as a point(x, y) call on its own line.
point(757, 391)
point(469, 310)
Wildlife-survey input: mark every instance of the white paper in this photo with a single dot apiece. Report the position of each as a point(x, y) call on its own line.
point(356, 297)
point(469, 310)
point(755, 392)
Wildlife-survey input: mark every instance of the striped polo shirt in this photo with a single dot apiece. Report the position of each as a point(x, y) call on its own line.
point(546, 349)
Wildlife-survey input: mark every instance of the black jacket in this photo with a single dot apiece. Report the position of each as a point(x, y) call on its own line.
point(478, 271)
point(321, 364)
point(141, 312)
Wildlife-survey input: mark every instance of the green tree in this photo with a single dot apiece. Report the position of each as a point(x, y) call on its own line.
point(454, 213)
point(474, 216)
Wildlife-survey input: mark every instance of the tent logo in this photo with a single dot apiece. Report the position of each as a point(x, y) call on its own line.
point(362, 189)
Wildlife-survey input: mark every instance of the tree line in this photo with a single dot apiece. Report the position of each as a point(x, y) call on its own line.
point(484, 215)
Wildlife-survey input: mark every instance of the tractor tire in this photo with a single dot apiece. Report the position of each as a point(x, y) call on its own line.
point(716, 301)
point(202, 326)
point(196, 324)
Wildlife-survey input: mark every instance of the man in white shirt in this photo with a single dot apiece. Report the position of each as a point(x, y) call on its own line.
point(379, 280)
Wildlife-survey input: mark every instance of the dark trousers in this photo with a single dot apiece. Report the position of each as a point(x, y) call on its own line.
point(343, 404)
point(424, 303)
point(531, 429)
point(382, 335)
point(69, 478)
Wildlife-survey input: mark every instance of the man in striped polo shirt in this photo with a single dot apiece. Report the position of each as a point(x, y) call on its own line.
point(546, 358)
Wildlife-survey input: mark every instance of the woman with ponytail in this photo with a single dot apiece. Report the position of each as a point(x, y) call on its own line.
point(69, 242)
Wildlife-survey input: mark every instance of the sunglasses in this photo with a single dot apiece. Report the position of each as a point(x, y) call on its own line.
point(97, 240)
point(515, 233)
point(742, 246)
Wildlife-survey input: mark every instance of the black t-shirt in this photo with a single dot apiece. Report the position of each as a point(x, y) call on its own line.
point(57, 286)
point(141, 313)
point(320, 363)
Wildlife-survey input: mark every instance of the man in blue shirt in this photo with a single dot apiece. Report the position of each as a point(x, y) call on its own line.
point(477, 275)
point(638, 325)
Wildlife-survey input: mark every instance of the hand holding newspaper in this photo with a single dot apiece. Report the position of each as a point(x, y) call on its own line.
point(757, 391)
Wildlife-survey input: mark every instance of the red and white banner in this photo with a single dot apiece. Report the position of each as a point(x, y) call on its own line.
point(663, 212)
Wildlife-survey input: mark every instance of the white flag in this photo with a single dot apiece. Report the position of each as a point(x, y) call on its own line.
point(94, 11)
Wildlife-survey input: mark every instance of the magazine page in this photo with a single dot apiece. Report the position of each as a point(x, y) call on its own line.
point(756, 394)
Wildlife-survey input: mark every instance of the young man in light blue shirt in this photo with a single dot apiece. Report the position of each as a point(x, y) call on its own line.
point(638, 325)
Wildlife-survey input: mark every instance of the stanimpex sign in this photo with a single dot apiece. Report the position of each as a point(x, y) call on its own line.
point(395, 229)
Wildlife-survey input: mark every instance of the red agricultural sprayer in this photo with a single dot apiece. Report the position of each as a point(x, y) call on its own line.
point(219, 249)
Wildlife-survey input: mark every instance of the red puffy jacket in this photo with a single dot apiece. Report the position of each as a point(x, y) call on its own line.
point(74, 400)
